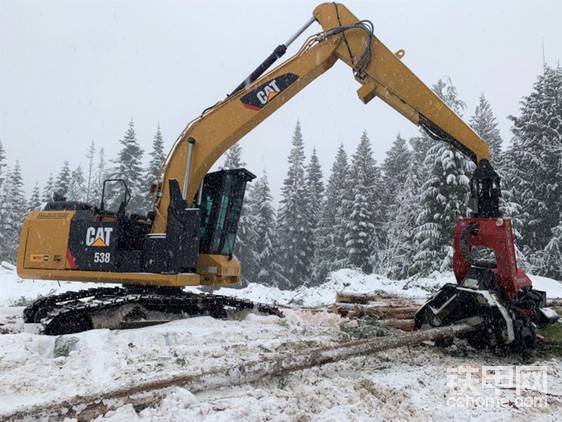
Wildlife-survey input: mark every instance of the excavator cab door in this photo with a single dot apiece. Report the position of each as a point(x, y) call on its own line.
point(221, 205)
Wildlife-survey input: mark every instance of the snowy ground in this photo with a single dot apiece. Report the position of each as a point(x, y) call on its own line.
point(398, 384)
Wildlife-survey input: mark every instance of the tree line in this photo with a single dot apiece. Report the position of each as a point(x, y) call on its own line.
point(394, 218)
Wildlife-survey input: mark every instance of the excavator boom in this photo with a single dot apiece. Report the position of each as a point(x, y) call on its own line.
point(380, 72)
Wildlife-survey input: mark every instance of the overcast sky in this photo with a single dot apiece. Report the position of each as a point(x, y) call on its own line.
point(76, 71)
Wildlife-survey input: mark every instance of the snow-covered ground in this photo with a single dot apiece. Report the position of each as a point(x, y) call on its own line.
point(399, 384)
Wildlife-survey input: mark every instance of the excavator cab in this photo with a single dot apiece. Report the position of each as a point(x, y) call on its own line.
point(221, 206)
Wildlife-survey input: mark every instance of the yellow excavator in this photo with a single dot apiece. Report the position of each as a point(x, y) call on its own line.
point(188, 237)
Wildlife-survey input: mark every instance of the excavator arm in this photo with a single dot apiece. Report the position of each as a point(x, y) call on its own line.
point(380, 72)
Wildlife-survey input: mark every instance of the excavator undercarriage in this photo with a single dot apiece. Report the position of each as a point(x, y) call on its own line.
point(131, 307)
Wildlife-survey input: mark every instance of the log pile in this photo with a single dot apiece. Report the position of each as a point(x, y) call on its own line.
point(396, 312)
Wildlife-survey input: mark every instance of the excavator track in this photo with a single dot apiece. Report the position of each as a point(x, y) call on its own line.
point(127, 307)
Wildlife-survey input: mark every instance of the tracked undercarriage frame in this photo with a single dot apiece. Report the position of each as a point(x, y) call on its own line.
point(131, 307)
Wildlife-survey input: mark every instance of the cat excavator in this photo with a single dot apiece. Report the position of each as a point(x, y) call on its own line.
point(187, 239)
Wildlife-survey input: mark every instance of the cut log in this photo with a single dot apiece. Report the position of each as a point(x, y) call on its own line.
point(150, 393)
point(374, 299)
point(401, 324)
point(361, 298)
point(356, 311)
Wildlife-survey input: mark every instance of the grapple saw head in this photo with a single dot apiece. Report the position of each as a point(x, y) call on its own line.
point(492, 288)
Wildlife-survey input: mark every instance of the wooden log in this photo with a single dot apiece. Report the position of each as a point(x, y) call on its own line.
point(373, 298)
point(357, 311)
point(401, 324)
point(150, 393)
point(361, 298)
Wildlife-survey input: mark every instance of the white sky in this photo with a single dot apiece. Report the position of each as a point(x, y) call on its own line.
point(76, 71)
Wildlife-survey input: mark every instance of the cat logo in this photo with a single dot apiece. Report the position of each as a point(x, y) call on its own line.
point(98, 237)
point(268, 92)
point(263, 94)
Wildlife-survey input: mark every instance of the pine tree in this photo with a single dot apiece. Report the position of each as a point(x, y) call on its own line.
point(35, 200)
point(3, 164)
point(49, 189)
point(90, 155)
point(266, 270)
point(233, 158)
point(314, 190)
point(245, 239)
point(4, 206)
point(401, 245)
point(396, 166)
point(128, 166)
point(329, 246)
point(362, 240)
point(536, 178)
point(13, 208)
point(294, 231)
point(63, 180)
point(395, 172)
point(484, 123)
point(77, 188)
point(553, 253)
point(157, 158)
point(444, 196)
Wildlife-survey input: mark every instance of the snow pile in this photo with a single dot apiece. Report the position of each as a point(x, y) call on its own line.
point(356, 282)
point(15, 291)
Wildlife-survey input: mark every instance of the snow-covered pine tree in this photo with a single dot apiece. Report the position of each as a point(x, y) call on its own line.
point(48, 189)
point(293, 223)
point(553, 253)
point(536, 177)
point(90, 155)
point(77, 186)
point(128, 166)
point(246, 238)
point(395, 171)
point(363, 238)
point(157, 158)
point(484, 123)
point(233, 158)
point(3, 197)
point(315, 190)
point(35, 199)
point(266, 270)
point(401, 245)
point(395, 167)
point(509, 207)
point(63, 179)
point(3, 163)
point(13, 208)
point(330, 248)
point(444, 195)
